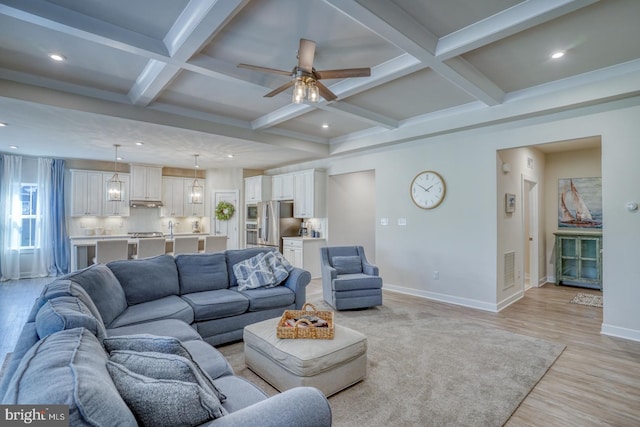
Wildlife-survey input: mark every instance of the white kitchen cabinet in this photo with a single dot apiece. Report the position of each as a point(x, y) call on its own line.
point(282, 186)
point(86, 193)
point(308, 194)
point(172, 197)
point(120, 208)
point(257, 189)
point(146, 182)
point(304, 252)
point(193, 209)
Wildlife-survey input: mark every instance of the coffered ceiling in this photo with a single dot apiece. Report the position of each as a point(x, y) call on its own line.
point(164, 73)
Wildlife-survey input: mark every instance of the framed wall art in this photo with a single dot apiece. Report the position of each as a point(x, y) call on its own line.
point(509, 203)
point(580, 203)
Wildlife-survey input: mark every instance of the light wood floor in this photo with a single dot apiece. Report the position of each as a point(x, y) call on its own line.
point(594, 382)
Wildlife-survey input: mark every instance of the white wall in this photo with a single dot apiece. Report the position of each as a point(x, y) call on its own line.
point(459, 238)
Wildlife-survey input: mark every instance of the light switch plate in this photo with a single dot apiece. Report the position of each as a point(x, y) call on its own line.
point(384, 221)
point(402, 221)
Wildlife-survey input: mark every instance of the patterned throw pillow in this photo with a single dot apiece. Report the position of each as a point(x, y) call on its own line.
point(254, 273)
point(279, 266)
point(164, 403)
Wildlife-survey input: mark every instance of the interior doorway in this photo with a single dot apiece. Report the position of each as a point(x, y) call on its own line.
point(229, 227)
point(530, 234)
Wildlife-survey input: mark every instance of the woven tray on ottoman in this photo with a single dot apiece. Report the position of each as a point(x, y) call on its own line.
point(329, 365)
point(302, 328)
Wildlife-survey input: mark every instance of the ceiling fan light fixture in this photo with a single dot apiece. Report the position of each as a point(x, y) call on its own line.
point(196, 190)
point(114, 185)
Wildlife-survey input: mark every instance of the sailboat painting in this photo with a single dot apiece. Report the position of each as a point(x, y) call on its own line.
point(580, 203)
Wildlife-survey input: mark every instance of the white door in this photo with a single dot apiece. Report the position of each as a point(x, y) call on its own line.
point(530, 232)
point(229, 227)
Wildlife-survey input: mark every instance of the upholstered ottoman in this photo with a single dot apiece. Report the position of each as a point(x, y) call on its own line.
point(329, 365)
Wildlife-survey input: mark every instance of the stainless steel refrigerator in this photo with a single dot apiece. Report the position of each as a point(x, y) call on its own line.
point(275, 221)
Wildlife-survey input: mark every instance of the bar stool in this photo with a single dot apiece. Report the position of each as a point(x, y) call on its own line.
point(185, 245)
point(214, 244)
point(108, 250)
point(149, 247)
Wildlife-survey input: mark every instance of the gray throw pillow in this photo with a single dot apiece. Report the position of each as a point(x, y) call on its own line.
point(146, 343)
point(67, 312)
point(163, 366)
point(164, 403)
point(347, 264)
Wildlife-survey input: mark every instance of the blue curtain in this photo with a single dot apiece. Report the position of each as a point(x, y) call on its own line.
point(60, 237)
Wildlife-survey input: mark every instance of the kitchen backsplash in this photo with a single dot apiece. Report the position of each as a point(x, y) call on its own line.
point(140, 219)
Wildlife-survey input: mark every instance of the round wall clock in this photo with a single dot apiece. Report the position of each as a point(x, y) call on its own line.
point(428, 189)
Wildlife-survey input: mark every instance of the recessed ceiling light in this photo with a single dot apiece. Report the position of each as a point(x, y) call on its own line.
point(119, 158)
point(139, 143)
point(57, 57)
point(557, 55)
point(325, 126)
point(230, 156)
point(2, 125)
point(13, 147)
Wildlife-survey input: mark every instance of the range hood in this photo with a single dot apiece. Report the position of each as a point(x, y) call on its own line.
point(146, 203)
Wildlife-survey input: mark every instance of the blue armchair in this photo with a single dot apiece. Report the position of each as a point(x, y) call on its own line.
point(348, 280)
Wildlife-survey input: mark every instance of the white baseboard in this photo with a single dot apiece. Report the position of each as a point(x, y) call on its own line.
point(616, 331)
point(465, 302)
point(510, 300)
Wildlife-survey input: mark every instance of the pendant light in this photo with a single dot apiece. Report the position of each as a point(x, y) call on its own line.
point(195, 197)
point(114, 185)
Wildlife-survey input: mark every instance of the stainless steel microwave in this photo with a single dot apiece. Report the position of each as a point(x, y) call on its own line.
point(252, 213)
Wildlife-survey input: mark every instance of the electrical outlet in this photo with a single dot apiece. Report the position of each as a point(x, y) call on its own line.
point(436, 275)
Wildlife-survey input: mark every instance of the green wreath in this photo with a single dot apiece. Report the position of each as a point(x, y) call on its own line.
point(224, 211)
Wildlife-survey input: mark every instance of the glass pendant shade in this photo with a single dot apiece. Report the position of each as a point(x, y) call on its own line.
point(299, 91)
point(313, 92)
point(114, 188)
point(196, 190)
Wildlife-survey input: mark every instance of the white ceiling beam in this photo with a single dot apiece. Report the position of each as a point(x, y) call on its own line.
point(518, 18)
point(51, 16)
point(198, 23)
point(398, 27)
point(361, 114)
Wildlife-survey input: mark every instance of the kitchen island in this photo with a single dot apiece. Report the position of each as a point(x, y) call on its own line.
point(83, 248)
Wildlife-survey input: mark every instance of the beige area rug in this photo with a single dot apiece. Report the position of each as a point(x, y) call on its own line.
point(430, 371)
point(587, 299)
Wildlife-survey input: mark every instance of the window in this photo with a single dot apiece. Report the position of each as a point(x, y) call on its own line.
point(28, 200)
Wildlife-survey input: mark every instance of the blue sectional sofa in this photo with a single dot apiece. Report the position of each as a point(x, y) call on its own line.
point(178, 308)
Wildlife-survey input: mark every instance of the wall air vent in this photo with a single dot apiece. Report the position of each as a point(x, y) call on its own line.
point(509, 279)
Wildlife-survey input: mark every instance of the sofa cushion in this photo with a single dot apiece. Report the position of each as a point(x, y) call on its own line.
point(161, 403)
point(202, 272)
point(163, 366)
point(352, 282)
point(68, 288)
point(347, 264)
point(208, 358)
point(67, 312)
point(216, 304)
point(171, 307)
point(266, 298)
point(147, 279)
point(166, 327)
point(69, 368)
point(235, 256)
point(104, 289)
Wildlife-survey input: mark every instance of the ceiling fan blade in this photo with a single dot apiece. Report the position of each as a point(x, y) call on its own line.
point(280, 89)
point(325, 92)
point(344, 73)
point(306, 52)
point(264, 69)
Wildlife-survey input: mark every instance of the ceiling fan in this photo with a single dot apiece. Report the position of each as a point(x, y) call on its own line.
point(305, 78)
